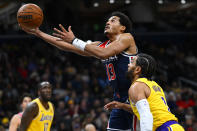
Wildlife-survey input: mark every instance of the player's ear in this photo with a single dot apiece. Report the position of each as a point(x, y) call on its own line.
point(138, 69)
point(123, 28)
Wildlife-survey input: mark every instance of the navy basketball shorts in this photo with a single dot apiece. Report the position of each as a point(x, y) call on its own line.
point(121, 120)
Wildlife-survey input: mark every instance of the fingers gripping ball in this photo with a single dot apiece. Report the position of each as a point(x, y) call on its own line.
point(30, 16)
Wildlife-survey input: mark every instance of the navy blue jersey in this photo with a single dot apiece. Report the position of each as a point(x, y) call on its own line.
point(116, 68)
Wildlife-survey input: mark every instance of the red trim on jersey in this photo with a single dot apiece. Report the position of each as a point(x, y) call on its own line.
point(134, 122)
point(103, 45)
point(20, 114)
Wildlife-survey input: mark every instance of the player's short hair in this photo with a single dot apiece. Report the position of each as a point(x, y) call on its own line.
point(124, 20)
point(25, 95)
point(44, 83)
point(147, 64)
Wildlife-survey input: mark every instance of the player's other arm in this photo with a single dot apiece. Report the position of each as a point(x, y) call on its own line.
point(14, 124)
point(118, 105)
point(139, 93)
point(29, 114)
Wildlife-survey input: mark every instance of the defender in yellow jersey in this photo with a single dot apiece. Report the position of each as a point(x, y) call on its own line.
point(147, 98)
point(38, 115)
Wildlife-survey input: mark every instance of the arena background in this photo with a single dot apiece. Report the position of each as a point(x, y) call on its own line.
point(166, 29)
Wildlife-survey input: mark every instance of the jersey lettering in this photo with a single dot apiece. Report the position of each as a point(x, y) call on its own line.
point(46, 117)
point(165, 103)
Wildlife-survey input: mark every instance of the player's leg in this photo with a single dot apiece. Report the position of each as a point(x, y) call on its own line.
point(120, 120)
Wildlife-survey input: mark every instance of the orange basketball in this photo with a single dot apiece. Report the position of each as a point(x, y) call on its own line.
point(30, 16)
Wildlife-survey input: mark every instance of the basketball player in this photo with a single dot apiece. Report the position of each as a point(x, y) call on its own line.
point(38, 115)
point(147, 98)
point(115, 53)
point(16, 119)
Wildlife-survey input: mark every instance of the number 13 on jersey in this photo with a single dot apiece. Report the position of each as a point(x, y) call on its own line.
point(110, 72)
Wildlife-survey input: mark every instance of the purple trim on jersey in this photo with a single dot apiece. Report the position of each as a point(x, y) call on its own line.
point(164, 127)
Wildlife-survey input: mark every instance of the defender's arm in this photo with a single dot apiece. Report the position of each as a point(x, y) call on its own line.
point(138, 94)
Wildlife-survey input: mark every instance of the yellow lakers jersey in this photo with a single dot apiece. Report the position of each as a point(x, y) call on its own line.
point(43, 121)
point(158, 105)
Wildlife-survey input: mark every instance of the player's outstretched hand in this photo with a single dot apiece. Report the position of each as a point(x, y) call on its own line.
point(63, 34)
point(113, 105)
point(35, 31)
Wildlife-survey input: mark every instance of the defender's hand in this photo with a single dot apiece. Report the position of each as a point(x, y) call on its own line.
point(63, 34)
point(113, 105)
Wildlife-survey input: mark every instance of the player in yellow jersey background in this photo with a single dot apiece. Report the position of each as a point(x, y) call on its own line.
point(38, 115)
point(147, 98)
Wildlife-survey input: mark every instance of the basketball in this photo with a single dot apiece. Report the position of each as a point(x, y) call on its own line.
point(30, 16)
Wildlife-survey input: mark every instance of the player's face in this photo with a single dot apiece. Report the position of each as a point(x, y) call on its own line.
point(25, 102)
point(46, 92)
point(132, 64)
point(113, 25)
point(131, 68)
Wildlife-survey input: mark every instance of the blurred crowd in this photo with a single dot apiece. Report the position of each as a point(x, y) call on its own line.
point(80, 88)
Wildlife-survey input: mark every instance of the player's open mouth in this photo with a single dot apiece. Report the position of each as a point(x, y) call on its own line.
point(106, 27)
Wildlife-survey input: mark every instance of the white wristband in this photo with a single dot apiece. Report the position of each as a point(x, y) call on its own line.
point(146, 118)
point(79, 44)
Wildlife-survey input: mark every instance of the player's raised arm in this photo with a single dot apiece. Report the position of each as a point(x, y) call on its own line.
point(121, 43)
point(55, 42)
point(29, 114)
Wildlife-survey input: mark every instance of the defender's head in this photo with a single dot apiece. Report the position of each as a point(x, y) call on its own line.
point(90, 127)
point(25, 100)
point(142, 66)
point(118, 23)
point(45, 90)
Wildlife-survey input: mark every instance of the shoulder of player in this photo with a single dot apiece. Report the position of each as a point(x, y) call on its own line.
point(138, 91)
point(15, 119)
point(127, 36)
point(138, 87)
point(32, 105)
point(32, 108)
